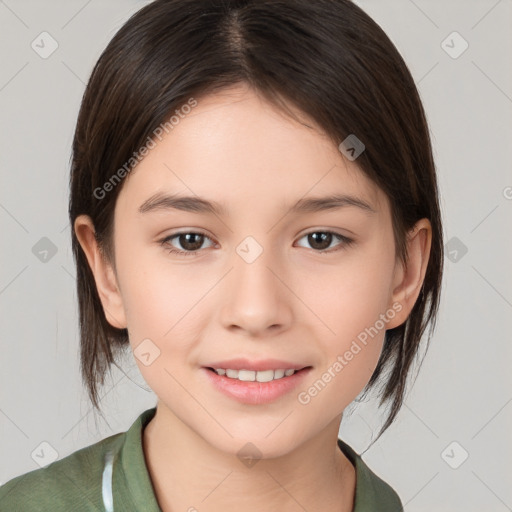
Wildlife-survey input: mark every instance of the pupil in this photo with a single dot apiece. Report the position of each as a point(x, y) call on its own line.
point(320, 240)
point(187, 241)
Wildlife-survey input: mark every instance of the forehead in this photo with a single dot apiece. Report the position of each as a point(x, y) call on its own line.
point(235, 146)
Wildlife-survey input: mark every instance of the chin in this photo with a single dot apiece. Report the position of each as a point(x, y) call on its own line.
point(257, 445)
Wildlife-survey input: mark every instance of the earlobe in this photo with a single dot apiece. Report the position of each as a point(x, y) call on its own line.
point(104, 275)
point(409, 278)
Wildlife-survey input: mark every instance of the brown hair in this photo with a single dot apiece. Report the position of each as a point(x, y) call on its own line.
point(327, 58)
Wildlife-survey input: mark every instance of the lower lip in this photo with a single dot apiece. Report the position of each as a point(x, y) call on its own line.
point(254, 392)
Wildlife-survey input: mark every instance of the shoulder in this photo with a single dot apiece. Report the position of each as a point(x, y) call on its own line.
point(372, 492)
point(71, 483)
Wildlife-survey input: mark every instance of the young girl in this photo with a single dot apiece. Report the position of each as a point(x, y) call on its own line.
point(256, 217)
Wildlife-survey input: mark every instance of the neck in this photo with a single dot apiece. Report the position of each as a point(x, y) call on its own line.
point(188, 473)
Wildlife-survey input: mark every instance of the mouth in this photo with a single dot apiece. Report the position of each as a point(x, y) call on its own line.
point(256, 375)
point(253, 387)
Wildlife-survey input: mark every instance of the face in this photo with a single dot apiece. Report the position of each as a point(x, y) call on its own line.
point(259, 279)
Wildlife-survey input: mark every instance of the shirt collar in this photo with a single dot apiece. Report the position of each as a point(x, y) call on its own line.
point(133, 478)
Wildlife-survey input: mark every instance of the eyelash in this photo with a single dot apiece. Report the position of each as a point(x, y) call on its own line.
point(165, 242)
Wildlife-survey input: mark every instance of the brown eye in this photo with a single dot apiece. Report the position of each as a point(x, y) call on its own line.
point(191, 241)
point(186, 243)
point(321, 241)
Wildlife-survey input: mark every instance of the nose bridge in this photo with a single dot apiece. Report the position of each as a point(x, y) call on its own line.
point(255, 298)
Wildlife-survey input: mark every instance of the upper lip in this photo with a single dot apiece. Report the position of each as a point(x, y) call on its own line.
point(241, 363)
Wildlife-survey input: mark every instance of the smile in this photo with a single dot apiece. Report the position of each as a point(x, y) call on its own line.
point(252, 375)
point(254, 386)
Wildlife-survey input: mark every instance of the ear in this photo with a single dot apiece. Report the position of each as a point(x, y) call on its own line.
point(409, 277)
point(104, 275)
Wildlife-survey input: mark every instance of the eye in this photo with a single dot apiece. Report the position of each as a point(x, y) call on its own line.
point(190, 241)
point(322, 240)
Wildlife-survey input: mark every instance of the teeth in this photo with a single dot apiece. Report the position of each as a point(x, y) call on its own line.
point(251, 375)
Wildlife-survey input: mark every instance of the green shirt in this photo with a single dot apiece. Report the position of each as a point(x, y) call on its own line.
point(83, 481)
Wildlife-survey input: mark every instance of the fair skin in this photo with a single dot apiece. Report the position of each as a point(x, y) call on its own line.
point(296, 301)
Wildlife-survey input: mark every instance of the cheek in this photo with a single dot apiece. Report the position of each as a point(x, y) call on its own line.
point(167, 304)
point(337, 384)
point(350, 296)
point(164, 319)
point(351, 308)
point(157, 292)
point(352, 302)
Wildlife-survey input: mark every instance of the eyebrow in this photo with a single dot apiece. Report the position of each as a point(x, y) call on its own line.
point(195, 204)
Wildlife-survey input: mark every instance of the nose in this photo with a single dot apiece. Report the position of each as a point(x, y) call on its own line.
point(256, 300)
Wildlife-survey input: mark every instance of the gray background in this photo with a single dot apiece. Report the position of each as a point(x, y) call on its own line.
point(463, 393)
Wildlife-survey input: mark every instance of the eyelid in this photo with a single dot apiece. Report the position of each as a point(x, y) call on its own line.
point(167, 241)
point(345, 240)
point(332, 231)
